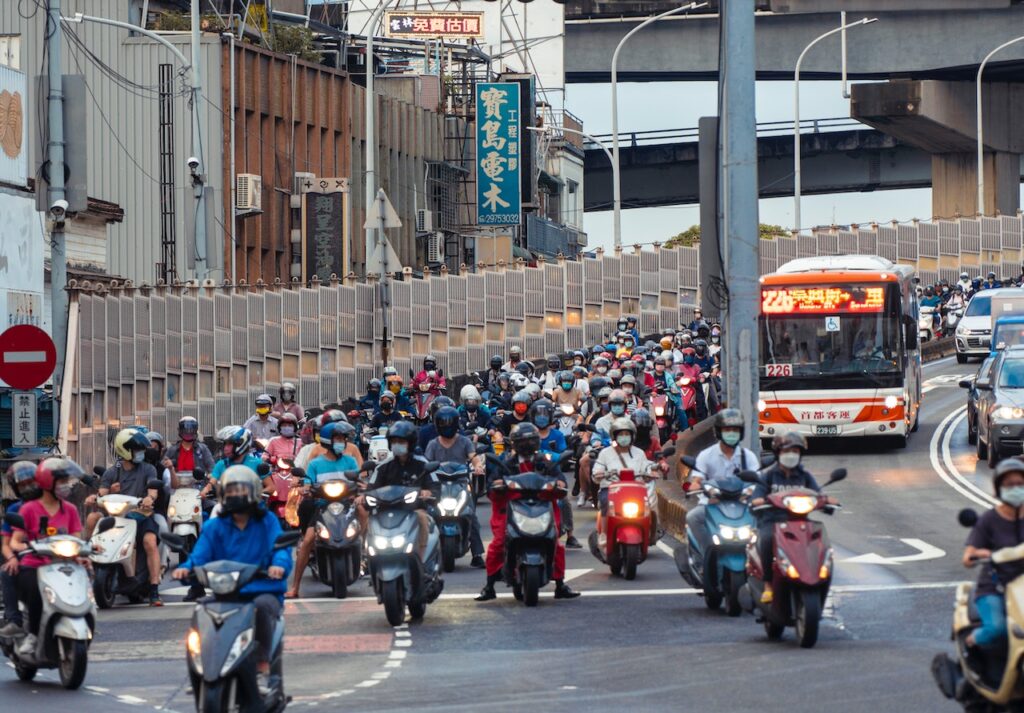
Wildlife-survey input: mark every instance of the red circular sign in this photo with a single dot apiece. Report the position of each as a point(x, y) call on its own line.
point(27, 357)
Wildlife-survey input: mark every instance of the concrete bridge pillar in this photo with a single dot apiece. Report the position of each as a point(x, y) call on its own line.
point(940, 117)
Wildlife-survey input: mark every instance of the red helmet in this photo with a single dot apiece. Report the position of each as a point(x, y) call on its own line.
point(49, 471)
point(689, 351)
point(638, 358)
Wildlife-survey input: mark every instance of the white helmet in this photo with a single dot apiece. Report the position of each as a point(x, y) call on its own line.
point(533, 390)
point(241, 475)
point(518, 381)
point(667, 355)
point(469, 393)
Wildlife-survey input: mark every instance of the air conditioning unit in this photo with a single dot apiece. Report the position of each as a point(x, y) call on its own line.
point(435, 247)
point(424, 220)
point(248, 193)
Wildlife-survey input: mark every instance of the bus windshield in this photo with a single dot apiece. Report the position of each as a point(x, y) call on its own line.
point(833, 347)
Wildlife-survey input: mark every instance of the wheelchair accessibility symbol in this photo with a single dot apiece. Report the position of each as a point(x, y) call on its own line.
point(831, 324)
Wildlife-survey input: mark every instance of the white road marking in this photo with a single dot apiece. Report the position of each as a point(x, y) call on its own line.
point(953, 478)
point(571, 574)
point(133, 700)
point(925, 552)
point(665, 548)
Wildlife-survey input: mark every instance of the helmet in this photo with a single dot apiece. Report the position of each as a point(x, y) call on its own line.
point(329, 431)
point(446, 421)
point(333, 415)
point(188, 426)
point(792, 439)
point(628, 379)
point(642, 418)
point(50, 470)
point(240, 475)
point(597, 383)
point(666, 342)
point(346, 429)
point(438, 403)
point(154, 437)
point(373, 386)
point(515, 352)
point(615, 375)
point(390, 371)
point(505, 379)
point(554, 363)
point(403, 431)
point(621, 324)
point(965, 276)
point(616, 397)
point(525, 439)
point(664, 361)
point(287, 418)
point(429, 363)
point(579, 372)
point(623, 423)
point(533, 390)
point(517, 381)
point(566, 377)
point(684, 338)
point(525, 367)
point(1003, 469)
point(627, 367)
point(542, 413)
point(701, 347)
point(600, 362)
point(497, 361)
point(287, 387)
point(239, 438)
point(20, 474)
point(630, 320)
point(990, 276)
point(521, 397)
point(604, 393)
point(729, 418)
point(387, 396)
point(578, 354)
point(264, 400)
point(469, 393)
point(128, 440)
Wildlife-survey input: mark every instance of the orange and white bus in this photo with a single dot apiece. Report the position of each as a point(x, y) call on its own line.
point(840, 356)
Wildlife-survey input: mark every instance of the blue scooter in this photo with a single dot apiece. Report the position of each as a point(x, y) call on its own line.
point(721, 571)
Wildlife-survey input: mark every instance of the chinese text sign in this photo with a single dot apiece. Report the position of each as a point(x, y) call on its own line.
point(498, 133)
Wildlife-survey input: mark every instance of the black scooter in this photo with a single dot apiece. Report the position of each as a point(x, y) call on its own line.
point(338, 547)
point(455, 508)
point(221, 646)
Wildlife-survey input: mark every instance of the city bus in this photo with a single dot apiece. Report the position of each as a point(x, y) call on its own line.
point(839, 349)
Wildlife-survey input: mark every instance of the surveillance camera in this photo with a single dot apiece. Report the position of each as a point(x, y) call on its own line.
point(193, 164)
point(59, 209)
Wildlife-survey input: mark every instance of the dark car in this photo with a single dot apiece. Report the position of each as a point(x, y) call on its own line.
point(983, 377)
point(1000, 407)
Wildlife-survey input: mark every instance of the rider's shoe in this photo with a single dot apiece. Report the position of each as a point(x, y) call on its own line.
point(477, 562)
point(572, 543)
point(487, 593)
point(564, 591)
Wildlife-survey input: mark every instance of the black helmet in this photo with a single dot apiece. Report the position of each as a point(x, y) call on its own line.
point(525, 367)
point(525, 439)
point(729, 418)
point(642, 418)
point(599, 382)
point(1003, 469)
point(439, 403)
point(373, 386)
point(446, 421)
point(403, 431)
point(188, 426)
point(701, 347)
point(542, 413)
point(497, 361)
point(791, 439)
point(504, 379)
point(429, 363)
point(554, 363)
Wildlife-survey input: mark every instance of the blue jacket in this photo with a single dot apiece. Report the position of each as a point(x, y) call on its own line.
point(222, 540)
point(222, 464)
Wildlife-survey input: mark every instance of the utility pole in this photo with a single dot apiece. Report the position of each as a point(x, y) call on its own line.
point(196, 164)
point(57, 201)
point(739, 194)
point(385, 281)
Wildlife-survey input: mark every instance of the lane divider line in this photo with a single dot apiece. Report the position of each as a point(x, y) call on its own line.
point(954, 478)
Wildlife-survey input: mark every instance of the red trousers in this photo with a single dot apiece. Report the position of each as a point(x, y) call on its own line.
point(496, 549)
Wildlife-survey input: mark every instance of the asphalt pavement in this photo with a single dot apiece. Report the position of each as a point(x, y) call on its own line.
point(649, 644)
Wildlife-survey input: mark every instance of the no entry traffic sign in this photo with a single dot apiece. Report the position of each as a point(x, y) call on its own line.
point(27, 357)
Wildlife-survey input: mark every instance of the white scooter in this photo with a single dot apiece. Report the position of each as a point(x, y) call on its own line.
point(926, 324)
point(185, 511)
point(117, 558)
point(69, 611)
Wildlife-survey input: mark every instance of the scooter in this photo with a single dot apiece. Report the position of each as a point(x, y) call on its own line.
point(69, 612)
point(721, 572)
point(926, 323)
point(281, 476)
point(185, 511)
point(970, 678)
point(119, 561)
point(220, 647)
point(530, 534)
point(663, 409)
point(455, 508)
point(377, 449)
point(338, 541)
point(423, 399)
point(953, 317)
point(688, 396)
point(399, 577)
point(623, 536)
point(567, 419)
point(801, 568)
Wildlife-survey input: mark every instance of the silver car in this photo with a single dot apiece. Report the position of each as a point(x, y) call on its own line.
point(974, 332)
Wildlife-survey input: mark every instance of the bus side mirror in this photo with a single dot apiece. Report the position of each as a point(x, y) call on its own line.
point(910, 331)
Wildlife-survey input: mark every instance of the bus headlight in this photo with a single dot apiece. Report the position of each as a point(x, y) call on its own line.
point(891, 401)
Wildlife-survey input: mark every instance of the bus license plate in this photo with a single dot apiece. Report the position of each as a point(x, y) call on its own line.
point(826, 430)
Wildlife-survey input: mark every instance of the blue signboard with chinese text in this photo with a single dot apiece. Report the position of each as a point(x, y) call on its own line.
point(498, 130)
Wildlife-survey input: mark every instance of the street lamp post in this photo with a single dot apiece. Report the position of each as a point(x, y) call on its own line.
point(980, 128)
point(796, 113)
point(370, 180)
point(616, 187)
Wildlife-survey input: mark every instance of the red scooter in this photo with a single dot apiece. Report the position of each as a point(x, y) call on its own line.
point(688, 396)
point(277, 502)
point(664, 411)
point(624, 534)
point(802, 565)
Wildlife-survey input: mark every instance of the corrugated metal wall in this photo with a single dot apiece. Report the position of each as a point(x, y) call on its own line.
point(122, 125)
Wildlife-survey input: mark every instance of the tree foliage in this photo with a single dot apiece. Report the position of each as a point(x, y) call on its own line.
point(691, 236)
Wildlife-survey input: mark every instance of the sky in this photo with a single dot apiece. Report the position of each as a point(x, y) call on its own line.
point(678, 105)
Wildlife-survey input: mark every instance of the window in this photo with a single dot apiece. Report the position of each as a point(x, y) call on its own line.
point(10, 51)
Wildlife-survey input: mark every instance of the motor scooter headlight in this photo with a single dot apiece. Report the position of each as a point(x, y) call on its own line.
point(353, 530)
point(239, 648)
point(532, 525)
point(194, 646)
point(171, 511)
point(322, 531)
point(115, 508)
point(630, 509)
point(743, 532)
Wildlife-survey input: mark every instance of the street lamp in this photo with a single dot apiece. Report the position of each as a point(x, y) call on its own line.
point(980, 129)
point(370, 180)
point(796, 112)
point(616, 186)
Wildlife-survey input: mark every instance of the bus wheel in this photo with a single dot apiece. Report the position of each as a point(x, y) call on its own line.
point(899, 441)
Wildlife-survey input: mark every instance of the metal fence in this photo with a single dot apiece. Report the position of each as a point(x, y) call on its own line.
point(151, 355)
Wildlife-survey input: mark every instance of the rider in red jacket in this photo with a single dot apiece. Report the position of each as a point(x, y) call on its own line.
point(524, 458)
point(430, 374)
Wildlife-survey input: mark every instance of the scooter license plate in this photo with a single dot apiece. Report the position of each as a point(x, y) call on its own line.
point(826, 430)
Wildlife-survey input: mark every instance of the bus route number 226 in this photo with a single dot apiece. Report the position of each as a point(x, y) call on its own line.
point(777, 370)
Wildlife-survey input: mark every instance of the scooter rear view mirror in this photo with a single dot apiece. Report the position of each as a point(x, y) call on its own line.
point(689, 461)
point(263, 470)
point(154, 484)
point(749, 476)
point(98, 470)
point(287, 539)
point(105, 524)
point(175, 542)
point(671, 451)
point(837, 475)
point(966, 517)
point(14, 520)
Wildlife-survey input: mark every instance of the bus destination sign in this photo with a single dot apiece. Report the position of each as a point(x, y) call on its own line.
point(846, 299)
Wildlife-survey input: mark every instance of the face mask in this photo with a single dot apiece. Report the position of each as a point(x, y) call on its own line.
point(448, 431)
point(618, 409)
point(138, 456)
point(1013, 496)
point(234, 504)
point(689, 359)
point(394, 388)
point(338, 448)
point(386, 406)
point(566, 386)
point(624, 440)
point(714, 340)
point(472, 406)
point(792, 460)
point(520, 409)
point(188, 437)
point(29, 492)
point(577, 362)
point(730, 438)
point(262, 410)
point(541, 422)
point(628, 389)
point(400, 450)
point(287, 431)
point(62, 490)
point(287, 397)
point(602, 370)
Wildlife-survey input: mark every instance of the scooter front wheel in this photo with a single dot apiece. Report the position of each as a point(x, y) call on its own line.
point(773, 630)
point(808, 616)
point(214, 699)
point(449, 553)
point(24, 672)
point(393, 595)
point(733, 584)
point(531, 585)
point(74, 658)
point(630, 560)
point(339, 576)
point(103, 587)
point(418, 610)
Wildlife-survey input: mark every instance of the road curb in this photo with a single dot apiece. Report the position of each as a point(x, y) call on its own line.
point(937, 349)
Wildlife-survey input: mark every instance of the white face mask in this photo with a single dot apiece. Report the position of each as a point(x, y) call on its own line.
point(624, 440)
point(789, 459)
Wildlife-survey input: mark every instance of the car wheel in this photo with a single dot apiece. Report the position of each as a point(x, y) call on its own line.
point(993, 454)
point(961, 358)
point(982, 448)
point(972, 431)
